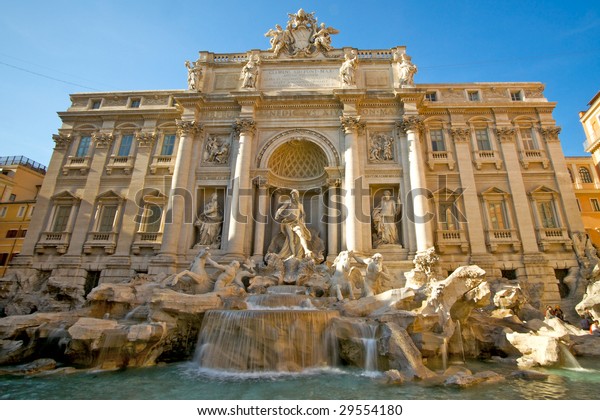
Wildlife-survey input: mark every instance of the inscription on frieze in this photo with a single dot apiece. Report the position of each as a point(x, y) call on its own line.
point(300, 78)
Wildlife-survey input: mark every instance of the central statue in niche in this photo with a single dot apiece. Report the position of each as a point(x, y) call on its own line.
point(290, 215)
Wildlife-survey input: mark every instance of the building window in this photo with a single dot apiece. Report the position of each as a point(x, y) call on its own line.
point(585, 176)
point(21, 211)
point(595, 204)
point(497, 213)
point(3, 259)
point(96, 103)
point(22, 233)
point(483, 139)
point(12, 233)
point(3, 211)
point(151, 218)
point(135, 103)
point(578, 204)
point(516, 95)
point(431, 96)
point(168, 145)
point(448, 216)
point(125, 146)
point(571, 175)
point(437, 140)
point(61, 218)
point(107, 218)
point(83, 147)
point(473, 95)
point(12, 197)
point(547, 214)
point(528, 139)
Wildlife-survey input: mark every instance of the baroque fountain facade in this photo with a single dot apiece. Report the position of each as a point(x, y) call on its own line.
point(301, 207)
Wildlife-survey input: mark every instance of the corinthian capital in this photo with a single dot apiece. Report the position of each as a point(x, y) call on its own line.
point(550, 134)
point(244, 125)
point(185, 127)
point(350, 124)
point(61, 141)
point(506, 134)
point(145, 139)
point(102, 140)
point(411, 123)
point(460, 135)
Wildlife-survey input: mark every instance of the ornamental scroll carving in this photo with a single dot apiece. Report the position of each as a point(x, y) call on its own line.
point(550, 134)
point(505, 134)
point(244, 125)
point(145, 139)
point(103, 140)
point(62, 141)
point(460, 135)
point(185, 128)
point(381, 148)
point(350, 124)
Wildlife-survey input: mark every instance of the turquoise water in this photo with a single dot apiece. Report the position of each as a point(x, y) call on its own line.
point(187, 381)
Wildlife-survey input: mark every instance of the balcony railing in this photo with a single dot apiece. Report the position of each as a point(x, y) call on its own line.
point(106, 240)
point(481, 157)
point(531, 156)
point(498, 237)
point(549, 236)
point(448, 238)
point(58, 240)
point(441, 157)
point(120, 162)
point(162, 162)
point(81, 163)
point(147, 240)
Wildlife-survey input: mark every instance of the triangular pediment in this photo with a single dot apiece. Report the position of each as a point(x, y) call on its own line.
point(65, 196)
point(494, 191)
point(542, 189)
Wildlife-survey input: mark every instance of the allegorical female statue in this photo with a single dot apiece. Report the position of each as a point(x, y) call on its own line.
point(209, 224)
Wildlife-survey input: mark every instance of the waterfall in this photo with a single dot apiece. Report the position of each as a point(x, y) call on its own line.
point(567, 359)
point(266, 340)
point(369, 341)
point(279, 301)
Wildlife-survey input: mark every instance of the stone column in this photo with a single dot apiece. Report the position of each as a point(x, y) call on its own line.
point(179, 193)
point(145, 142)
point(239, 217)
point(571, 212)
point(102, 142)
point(520, 200)
point(332, 218)
point(262, 218)
point(475, 228)
point(42, 204)
point(413, 125)
point(351, 126)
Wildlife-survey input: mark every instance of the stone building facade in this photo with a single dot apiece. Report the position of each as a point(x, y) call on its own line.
point(139, 180)
point(20, 182)
point(586, 184)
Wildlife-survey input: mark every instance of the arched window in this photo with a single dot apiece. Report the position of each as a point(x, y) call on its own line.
point(571, 175)
point(584, 175)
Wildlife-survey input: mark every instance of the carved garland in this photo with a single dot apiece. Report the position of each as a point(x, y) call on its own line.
point(505, 134)
point(460, 135)
point(102, 140)
point(145, 139)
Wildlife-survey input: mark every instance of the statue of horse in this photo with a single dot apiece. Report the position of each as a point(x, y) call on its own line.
point(344, 277)
point(199, 279)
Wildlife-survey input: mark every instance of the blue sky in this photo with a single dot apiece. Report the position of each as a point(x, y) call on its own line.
point(49, 49)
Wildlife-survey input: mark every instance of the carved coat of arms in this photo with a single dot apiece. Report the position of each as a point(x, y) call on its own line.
point(302, 36)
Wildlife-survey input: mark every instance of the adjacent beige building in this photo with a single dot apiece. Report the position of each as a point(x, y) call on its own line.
point(138, 180)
